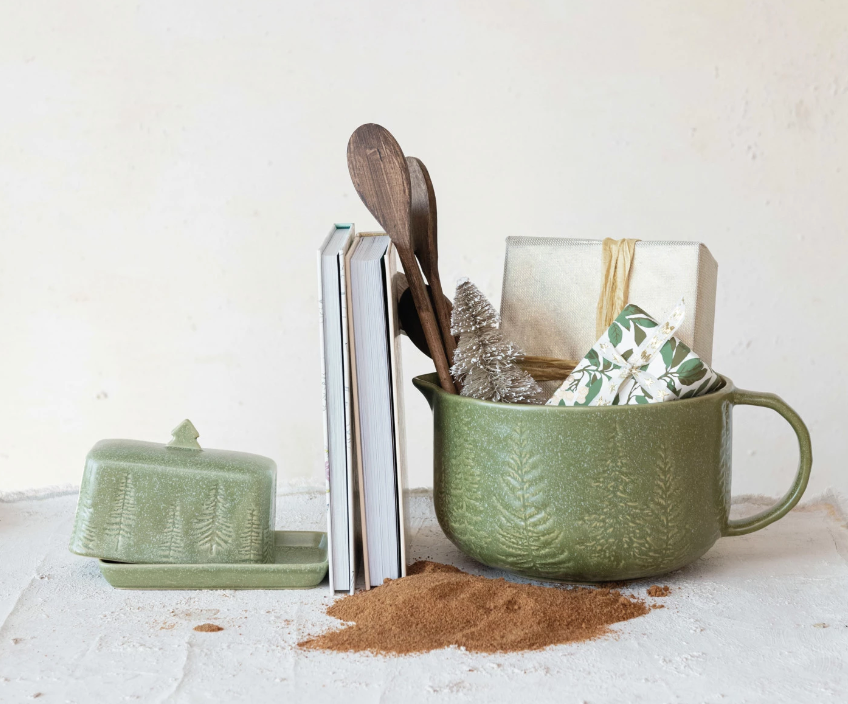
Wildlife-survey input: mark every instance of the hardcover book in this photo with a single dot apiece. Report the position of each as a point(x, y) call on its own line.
point(378, 405)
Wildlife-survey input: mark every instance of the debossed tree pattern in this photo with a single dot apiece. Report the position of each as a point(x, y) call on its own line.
point(213, 530)
point(86, 535)
point(624, 529)
point(172, 540)
point(665, 541)
point(252, 539)
point(462, 499)
point(528, 539)
point(123, 512)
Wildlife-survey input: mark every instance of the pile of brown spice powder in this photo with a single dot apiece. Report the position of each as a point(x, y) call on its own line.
point(438, 605)
point(208, 628)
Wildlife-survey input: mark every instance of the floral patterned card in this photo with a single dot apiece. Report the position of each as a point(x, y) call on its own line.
point(637, 360)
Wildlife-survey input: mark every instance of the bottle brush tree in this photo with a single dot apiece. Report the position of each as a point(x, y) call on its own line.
point(484, 362)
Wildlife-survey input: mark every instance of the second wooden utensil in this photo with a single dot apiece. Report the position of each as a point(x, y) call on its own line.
point(380, 176)
point(425, 245)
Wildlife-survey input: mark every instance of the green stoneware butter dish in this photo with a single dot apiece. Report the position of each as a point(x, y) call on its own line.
point(175, 503)
point(300, 563)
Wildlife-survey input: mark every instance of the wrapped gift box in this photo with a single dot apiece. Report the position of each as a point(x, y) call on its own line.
point(551, 289)
point(636, 361)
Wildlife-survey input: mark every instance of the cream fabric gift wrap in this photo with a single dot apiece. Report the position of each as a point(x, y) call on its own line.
point(552, 285)
point(638, 360)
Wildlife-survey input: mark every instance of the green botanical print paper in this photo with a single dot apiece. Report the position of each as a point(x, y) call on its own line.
point(637, 360)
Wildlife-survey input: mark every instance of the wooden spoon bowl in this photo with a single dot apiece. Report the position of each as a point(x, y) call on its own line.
point(380, 176)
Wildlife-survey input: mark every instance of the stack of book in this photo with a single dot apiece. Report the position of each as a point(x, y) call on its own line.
point(364, 432)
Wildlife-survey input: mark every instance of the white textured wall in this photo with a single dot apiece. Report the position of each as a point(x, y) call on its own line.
point(167, 171)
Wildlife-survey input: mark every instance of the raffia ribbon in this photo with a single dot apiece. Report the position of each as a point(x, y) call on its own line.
point(617, 262)
point(618, 259)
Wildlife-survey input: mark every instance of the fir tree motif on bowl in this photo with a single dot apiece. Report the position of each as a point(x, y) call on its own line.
point(529, 540)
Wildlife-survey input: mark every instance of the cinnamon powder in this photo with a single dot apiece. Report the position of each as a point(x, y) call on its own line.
point(208, 628)
point(657, 590)
point(439, 605)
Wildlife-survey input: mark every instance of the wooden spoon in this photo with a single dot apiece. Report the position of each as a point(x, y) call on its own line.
point(381, 178)
point(425, 246)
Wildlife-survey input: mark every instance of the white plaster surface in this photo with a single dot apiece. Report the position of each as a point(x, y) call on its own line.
point(168, 169)
point(760, 618)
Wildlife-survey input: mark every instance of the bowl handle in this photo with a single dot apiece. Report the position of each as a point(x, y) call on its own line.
point(742, 526)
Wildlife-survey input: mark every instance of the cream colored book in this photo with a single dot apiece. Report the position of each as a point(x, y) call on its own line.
point(378, 414)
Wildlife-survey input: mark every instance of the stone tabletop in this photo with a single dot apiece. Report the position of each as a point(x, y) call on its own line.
point(760, 618)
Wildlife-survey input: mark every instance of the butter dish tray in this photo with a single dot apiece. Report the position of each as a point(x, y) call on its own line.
point(300, 563)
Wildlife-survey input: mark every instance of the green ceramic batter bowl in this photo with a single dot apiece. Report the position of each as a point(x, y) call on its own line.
point(593, 494)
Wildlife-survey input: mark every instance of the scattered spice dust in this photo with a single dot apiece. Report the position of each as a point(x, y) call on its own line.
point(208, 628)
point(438, 605)
point(657, 590)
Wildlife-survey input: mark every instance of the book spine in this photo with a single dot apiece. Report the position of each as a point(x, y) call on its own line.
point(326, 455)
point(348, 417)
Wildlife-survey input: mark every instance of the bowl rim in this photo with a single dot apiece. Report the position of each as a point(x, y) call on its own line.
point(432, 380)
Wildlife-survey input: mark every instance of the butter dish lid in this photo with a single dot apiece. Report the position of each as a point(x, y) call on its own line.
point(175, 503)
point(182, 452)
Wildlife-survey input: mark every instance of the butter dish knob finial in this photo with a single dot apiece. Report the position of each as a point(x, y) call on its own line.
point(185, 436)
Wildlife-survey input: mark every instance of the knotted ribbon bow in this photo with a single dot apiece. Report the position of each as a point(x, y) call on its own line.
point(624, 369)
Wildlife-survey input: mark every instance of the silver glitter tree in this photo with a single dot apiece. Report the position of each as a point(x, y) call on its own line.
point(484, 362)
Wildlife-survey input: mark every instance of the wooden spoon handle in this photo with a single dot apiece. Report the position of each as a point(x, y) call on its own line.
point(423, 214)
point(443, 315)
point(426, 316)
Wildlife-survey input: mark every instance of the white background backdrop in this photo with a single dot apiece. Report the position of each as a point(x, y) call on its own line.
point(167, 171)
